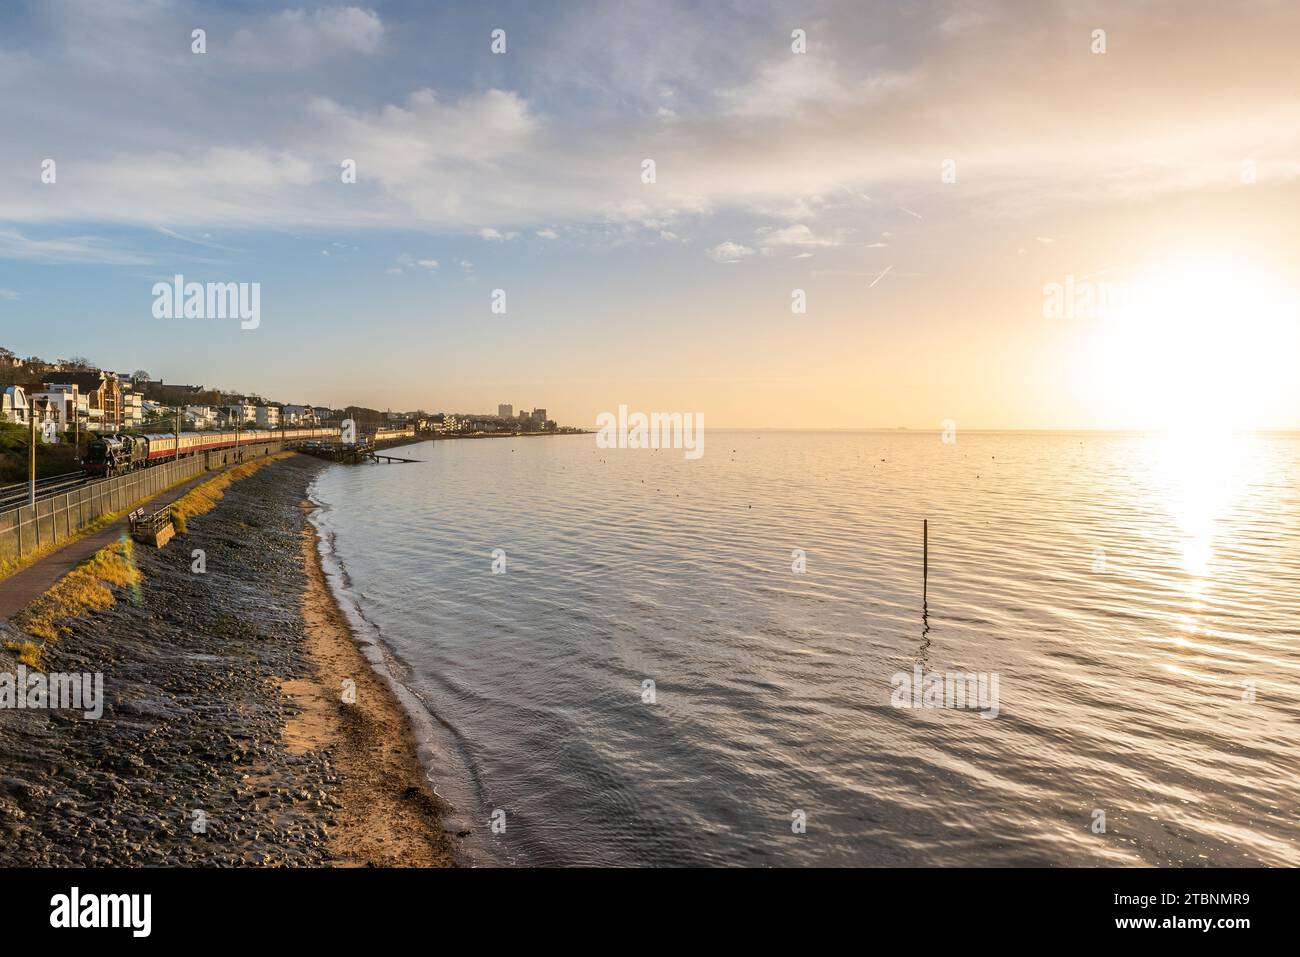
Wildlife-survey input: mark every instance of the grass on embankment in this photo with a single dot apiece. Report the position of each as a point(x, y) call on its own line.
point(11, 566)
point(204, 498)
point(89, 586)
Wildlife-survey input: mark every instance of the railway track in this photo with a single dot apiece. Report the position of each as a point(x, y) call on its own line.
point(16, 495)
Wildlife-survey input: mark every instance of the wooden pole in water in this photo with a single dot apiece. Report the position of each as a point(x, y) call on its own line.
point(925, 559)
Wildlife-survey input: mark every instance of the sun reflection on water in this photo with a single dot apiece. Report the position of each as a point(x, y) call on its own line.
point(1201, 474)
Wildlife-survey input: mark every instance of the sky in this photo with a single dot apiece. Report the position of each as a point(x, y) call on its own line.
point(951, 189)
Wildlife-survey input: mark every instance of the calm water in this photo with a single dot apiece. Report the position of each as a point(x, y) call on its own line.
point(1132, 595)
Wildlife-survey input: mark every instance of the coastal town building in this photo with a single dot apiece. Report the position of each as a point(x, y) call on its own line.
point(240, 414)
point(64, 405)
point(72, 393)
point(298, 415)
point(534, 421)
point(201, 417)
point(14, 406)
point(48, 409)
point(103, 393)
point(174, 395)
point(132, 408)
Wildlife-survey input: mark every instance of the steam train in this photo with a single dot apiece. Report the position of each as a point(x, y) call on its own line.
point(111, 455)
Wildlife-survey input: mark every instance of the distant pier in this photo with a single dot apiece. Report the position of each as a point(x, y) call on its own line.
point(364, 450)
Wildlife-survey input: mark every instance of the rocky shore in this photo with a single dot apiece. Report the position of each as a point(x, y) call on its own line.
point(241, 725)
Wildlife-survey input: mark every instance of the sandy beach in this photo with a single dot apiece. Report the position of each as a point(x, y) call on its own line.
point(241, 723)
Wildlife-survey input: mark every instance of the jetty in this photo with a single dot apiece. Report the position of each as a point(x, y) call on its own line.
point(365, 449)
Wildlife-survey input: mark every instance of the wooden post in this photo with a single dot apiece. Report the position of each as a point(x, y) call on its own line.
point(925, 560)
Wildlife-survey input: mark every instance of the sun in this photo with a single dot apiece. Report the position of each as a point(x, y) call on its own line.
point(1198, 345)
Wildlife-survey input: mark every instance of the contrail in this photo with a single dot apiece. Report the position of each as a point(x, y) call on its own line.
point(881, 276)
point(854, 193)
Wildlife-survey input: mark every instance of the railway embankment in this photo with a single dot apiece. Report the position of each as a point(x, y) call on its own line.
point(30, 531)
point(224, 735)
point(24, 580)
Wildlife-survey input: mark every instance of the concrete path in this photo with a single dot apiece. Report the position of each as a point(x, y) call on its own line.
point(22, 588)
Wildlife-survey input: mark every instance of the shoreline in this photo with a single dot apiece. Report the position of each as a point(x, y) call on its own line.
point(443, 436)
point(387, 816)
point(224, 739)
point(442, 769)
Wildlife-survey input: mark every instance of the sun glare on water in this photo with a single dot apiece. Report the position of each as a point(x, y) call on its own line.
point(1201, 351)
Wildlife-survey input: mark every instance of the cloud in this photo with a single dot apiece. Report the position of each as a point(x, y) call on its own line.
point(293, 39)
point(145, 134)
point(729, 252)
point(795, 235)
point(797, 84)
point(9, 295)
point(72, 249)
point(407, 261)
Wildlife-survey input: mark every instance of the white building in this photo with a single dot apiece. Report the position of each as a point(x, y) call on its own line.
point(64, 405)
point(298, 415)
point(14, 406)
point(238, 415)
point(268, 416)
point(132, 408)
point(202, 417)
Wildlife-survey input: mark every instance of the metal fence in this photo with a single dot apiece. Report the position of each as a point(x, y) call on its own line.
point(59, 517)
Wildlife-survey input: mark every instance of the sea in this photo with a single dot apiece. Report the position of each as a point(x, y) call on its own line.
point(875, 648)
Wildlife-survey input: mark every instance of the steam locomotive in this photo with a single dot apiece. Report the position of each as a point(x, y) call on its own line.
point(117, 454)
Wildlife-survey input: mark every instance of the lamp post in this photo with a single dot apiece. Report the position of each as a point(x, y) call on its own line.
point(31, 456)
